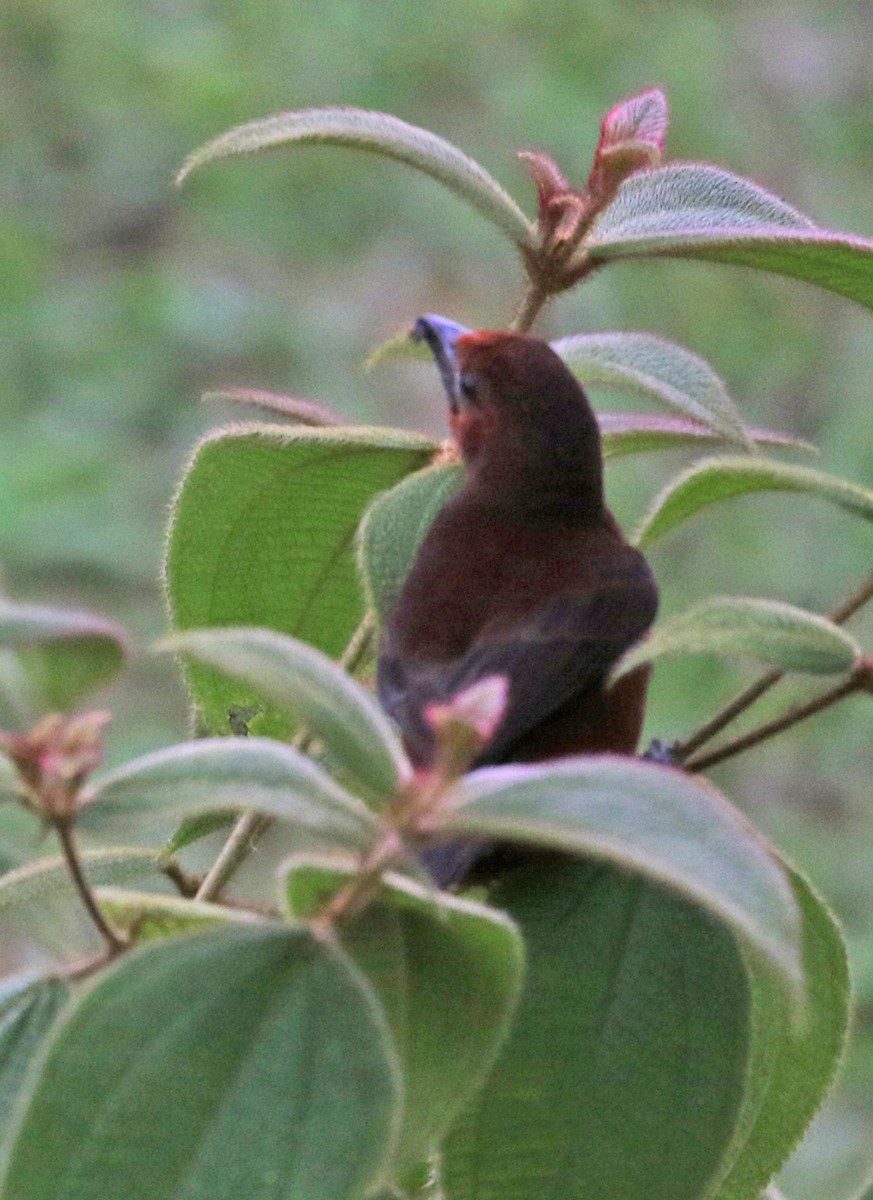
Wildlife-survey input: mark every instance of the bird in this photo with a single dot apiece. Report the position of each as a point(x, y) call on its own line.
point(524, 573)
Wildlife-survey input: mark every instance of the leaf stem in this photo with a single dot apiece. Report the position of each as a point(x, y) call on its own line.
point(64, 827)
point(534, 299)
point(682, 751)
point(233, 853)
point(859, 680)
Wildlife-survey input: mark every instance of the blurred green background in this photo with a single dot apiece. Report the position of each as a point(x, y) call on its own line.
point(123, 300)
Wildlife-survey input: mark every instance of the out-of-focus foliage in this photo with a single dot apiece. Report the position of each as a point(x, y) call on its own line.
point(122, 301)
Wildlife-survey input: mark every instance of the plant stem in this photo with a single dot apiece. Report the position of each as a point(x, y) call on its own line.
point(349, 900)
point(251, 825)
point(64, 828)
point(233, 853)
point(857, 681)
point(681, 751)
point(534, 299)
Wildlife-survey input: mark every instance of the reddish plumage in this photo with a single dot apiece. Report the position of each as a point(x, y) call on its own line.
point(524, 572)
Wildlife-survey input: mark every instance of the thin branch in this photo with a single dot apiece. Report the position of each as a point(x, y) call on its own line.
point(681, 751)
point(114, 943)
point(857, 681)
point(233, 853)
point(534, 299)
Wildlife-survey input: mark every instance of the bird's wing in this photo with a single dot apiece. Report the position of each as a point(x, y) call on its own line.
point(561, 650)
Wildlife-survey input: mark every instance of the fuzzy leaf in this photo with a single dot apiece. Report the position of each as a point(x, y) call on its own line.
point(378, 133)
point(159, 789)
point(314, 690)
point(640, 118)
point(688, 210)
point(792, 1064)
point(394, 527)
point(623, 1075)
point(447, 972)
point(716, 479)
point(650, 366)
point(653, 820)
point(634, 433)
point(59, 656)
point(274, 1065)
point(286, 408)
point(768, 631)
point(263, 532)
point(147, 917)
point(27, 1011)
point(687, 199)
point(48, 879)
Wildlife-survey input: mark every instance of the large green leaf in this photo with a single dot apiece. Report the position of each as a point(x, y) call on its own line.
point(715, 479)
point(51, 657)
point(650, 366)
point(246, 1062)
point(623, 1074)
point(792, 1065)
point(27, 1010)
point(263, 534)
point(447, 972)
point(160, 789)
point(777, 634)
point(394, 527)
point(311, 688)
point(691, 211)
point(378, 133)
point(650, 819)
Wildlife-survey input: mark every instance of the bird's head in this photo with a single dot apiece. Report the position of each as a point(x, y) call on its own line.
point(515, 408)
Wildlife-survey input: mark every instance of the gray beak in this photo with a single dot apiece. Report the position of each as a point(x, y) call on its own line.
point(441, 334)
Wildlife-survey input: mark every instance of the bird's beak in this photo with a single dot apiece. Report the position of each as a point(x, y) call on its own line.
point(441, 335)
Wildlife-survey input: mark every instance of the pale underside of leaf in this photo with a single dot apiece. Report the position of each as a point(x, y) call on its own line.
point(646, 365)
point(49, 878)
point(720, 478)
point(768, 631)
point(378, 133)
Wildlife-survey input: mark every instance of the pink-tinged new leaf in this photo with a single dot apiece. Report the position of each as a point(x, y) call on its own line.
point(641, 118)
point(547, 176)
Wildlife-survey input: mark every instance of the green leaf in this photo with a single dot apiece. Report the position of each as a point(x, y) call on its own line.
point(650, 819)
point(448, 974)
point(48, 879)
point(194, 829)
point(716, 479)
point(692, 211)
point(60, 655)
point(792, 1065)
point(310, 689)
point(248, 1062)
point(631, 433)
point(27, 1010)
point(285, 408)
point(688, 198)
point(649, 366)
point(147, 917)
point(623, 1074)
point(161, 788)
point(768, 631)
point(263, 534)
point(394, 527)
point(378, 133)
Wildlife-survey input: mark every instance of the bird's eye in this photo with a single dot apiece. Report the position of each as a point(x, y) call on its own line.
point(467, 387)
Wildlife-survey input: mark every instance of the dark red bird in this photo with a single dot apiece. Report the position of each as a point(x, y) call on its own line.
point(524, 572)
